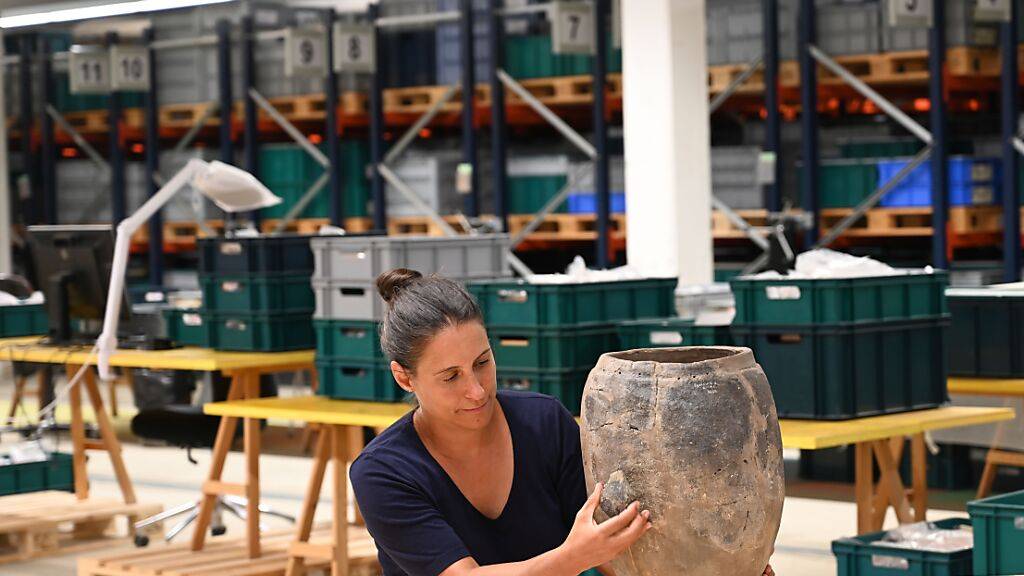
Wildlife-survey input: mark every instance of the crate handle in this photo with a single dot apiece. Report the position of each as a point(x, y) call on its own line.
point(785, 338)
point(507, 295)
point(514, 342)
point(350, 291)
point(191, 319)
point(518, 384)
point(350, 371)
point(665, 337)
point(353, 332)
point(231, 248)
point(1018, 522)
point(357, 255)
point(782, 292)
point(239, 325)
point(893, 562)
point(231, 286)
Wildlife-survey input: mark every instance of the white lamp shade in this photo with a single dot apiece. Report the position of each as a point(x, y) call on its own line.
point(233, 189)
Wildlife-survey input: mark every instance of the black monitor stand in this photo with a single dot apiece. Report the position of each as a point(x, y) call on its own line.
point(59, 308)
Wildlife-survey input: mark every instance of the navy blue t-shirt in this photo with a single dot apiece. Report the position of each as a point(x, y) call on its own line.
point(422, 523)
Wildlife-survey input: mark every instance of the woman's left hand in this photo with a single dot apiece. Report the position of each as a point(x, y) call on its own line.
point(768, 571)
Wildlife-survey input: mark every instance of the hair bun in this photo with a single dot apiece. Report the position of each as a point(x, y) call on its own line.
point(391, 283)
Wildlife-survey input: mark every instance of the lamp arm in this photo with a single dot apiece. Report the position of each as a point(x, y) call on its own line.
point(107, 342)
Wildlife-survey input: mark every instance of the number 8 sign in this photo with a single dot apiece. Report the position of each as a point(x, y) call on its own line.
point(572, 28)
point(354, 48)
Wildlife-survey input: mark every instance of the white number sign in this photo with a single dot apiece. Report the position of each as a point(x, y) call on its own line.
point(129, 68)
point(910, 13)
point(992, 11)
point(354, 48)
point(572, 28)
point(89, 72)
point(305, 53)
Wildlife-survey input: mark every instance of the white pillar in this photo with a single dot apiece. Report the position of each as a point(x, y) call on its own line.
point(5, 179)
point(667, 140)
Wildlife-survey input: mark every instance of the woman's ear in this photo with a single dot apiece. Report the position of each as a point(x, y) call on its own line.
point(402, 377)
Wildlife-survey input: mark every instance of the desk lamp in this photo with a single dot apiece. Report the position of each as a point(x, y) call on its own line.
point(231, 189)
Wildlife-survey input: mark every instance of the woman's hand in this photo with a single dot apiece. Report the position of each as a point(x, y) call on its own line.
point(768, 571)
point(590, 544)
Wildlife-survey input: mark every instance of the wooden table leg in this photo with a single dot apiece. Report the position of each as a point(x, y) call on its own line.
point(864, 470)
point(221, 447)
point(881, 502)
point(251, 430)
point(296, 559)
point(339, 457)
point(16, 399)
point(355, 446)
point(108, 438)
point(919, 465)
point(77, 436)
point(891, 484)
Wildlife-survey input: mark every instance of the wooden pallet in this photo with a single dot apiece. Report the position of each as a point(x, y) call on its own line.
point(313, 225)
point(567, 227)
point(425, 225)
point(723, 228)
point(420, 99)
point(98, 121)
point(909, 67)
point(970, 61)
point(184, 116)
point(916, 221)
point(50, 523)
point(227, 557)
point(720, 77)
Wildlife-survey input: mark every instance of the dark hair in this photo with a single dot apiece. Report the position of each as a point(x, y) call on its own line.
point(418, 307)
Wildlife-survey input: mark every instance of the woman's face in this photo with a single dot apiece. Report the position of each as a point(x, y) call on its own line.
point(454, 380)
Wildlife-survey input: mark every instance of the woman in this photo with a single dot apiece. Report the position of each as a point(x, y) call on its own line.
point(475, 482)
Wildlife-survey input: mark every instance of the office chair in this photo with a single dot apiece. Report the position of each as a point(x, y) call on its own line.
point(186, 426)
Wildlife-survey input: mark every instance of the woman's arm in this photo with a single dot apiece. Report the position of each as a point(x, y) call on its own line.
point(589, 544)
point(606, 570)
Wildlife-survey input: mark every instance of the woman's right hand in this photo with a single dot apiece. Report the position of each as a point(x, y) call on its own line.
point(590, 544)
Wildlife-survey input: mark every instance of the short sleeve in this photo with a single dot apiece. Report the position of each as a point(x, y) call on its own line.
point(403, 522)
point(571, 485)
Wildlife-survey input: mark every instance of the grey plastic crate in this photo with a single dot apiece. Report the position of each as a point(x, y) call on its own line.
point(849, 28)
point(734, 31)
point(339, 300)
point(432, 177)
point(740, 198)
point(84, 192)
point(585, 170)
point(961, 30)
point(362, 259)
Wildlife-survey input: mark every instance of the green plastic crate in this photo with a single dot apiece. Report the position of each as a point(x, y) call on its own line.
point(528, 194)
point(668, 332)
point(551, 348)
point(23, 320)
point(846, 183)
point(950, 469)
point(880, 149)
point(843, 371)
point(530, 56)
point(354, 380)
point(998, 533)
point(260, 255)
point(276, 332)
point(348, 340)
point(519, 304)
point(862, 556)
point(830, 301)
point(986, 336)
point(288, 171)
point(257, 294)
point(565, 385)
point(187, 327)
point(53, 474)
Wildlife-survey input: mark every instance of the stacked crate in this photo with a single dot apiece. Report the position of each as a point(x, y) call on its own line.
point(23, 320)
point(671, 332)
point(986, 337)
point(256, 294)
point(839, 348)
point(349, 310)
point(547, 337)
point(972, 182)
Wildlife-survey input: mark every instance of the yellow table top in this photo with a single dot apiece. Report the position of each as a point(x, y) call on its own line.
point(987, 386)
point(806, 434)
point(28, 349)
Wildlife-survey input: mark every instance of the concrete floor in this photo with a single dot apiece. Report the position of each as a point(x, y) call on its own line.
point(163, 475)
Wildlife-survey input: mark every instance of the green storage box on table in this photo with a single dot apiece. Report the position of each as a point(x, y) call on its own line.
point(998, 534)
point(565, 385)
point(52, 474)
point(260, 332)
point(843, 371)
point(186, 327)
point(783, 301)
point(866, 556)
point(256, 256)
point(23, 320)
point(986, 336)
point(668, 332)
point(358, 380)
point(258, 294)
point(573, 348)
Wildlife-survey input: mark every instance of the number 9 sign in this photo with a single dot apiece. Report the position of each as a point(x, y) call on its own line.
point(354, 48)
point(572, 28)
point(305, 53)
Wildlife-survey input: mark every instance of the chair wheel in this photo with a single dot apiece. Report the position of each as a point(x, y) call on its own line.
point(141, 540)
point(218, 530)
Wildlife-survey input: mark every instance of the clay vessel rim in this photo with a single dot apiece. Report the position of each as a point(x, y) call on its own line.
point(684, 357)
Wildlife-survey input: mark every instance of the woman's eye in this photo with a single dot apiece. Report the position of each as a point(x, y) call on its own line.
point(483, 362)
point(452, 377)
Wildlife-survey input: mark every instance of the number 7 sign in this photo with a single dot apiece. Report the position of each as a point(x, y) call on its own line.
point(572, 28)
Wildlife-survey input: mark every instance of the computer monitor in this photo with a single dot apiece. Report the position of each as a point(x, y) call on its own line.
point(72, 267)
